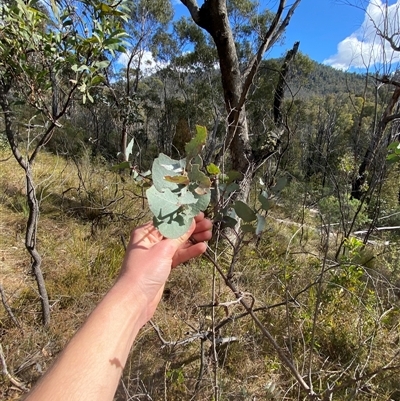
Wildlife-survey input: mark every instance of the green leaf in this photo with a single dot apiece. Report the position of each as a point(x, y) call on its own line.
point(195, 145)
point(393, 158)
point(202, 203)
point(234, 175)
point(280, 184)
point(213, 169)
point(394, 146)
point(101, 64)
point(229, 222)
point(98, 79)
point(228, 189)
point(89, 96)
point(198, 160)
point(244, 212)
point(203, 182)
point(121, 166)
point(247, 228)
point(187, 198)
point(265, 203)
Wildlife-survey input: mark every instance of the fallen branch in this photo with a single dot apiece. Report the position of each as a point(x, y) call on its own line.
point(6, 373)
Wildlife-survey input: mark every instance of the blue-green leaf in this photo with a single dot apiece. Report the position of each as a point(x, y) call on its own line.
point(244, 212)
point(162, 204)
point(173, 227)
point(261, 222)
point(164, 166)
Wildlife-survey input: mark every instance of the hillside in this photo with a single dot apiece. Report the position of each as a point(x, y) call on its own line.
point(324, 80)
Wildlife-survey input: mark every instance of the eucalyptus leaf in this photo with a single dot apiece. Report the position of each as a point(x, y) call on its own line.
point(129, 148)
point(196, 144)
point(173, 227)
point(247, 228)
point(265, 203)
point(229, 222)
point(198, 177)
point(280, 184)
point(213, 169)
point(162, 204)
point(186, 197)
point(164, 166)
point(261, 222)
point(234, 175)
point(244, 212)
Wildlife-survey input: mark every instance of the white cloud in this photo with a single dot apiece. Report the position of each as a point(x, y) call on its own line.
point(147, 63)
point(365, 48)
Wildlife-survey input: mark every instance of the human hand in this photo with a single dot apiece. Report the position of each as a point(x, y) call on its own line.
point(150, 257)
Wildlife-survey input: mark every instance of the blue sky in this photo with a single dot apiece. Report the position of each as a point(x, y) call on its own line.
point(338, 34)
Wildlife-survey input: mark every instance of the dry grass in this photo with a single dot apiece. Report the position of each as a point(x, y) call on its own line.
point(85, 209)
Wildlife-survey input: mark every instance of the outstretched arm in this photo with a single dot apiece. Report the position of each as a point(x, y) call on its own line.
point(90, 366)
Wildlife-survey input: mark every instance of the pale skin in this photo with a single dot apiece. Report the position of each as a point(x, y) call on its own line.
point(90, 367)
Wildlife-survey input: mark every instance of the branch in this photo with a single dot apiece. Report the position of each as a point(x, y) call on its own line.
point(11, 135)
point(387, 80)
point(359, 378)
point(9, 376)
point(389, 39)
point(193, 8)
point(7, 308)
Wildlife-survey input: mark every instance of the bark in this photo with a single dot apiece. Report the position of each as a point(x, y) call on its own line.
point(33, 204)
point(213, 17)
point(280, 88)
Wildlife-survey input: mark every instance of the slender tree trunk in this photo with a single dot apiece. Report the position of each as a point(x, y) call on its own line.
point(30, 244)
point(33, 204)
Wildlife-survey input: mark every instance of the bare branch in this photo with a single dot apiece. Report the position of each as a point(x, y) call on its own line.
point(7, 374)
point(193, 9)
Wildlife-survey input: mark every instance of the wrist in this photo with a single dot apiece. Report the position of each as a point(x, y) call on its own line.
point(132, 297)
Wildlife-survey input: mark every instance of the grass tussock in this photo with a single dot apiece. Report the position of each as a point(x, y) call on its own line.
point(331, 316)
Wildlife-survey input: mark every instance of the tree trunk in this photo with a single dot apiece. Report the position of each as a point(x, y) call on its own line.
point(30, 244)
point(213, 17)
point(33, 204)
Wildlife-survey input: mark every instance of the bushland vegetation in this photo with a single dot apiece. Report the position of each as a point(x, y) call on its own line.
point(298, 299)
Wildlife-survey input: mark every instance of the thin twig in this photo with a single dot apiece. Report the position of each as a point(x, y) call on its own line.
point(7, 307)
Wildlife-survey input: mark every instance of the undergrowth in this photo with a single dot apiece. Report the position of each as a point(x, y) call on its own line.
point(328, 314)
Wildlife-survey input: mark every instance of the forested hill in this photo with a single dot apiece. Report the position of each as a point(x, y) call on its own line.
point(324, 80)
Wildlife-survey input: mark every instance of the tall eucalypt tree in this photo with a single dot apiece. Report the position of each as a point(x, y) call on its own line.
point(213, 16)
point(51, 55)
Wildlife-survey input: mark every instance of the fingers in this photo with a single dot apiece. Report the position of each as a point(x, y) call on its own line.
point(148, 236)
point(192, 251)
point(202, 231)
